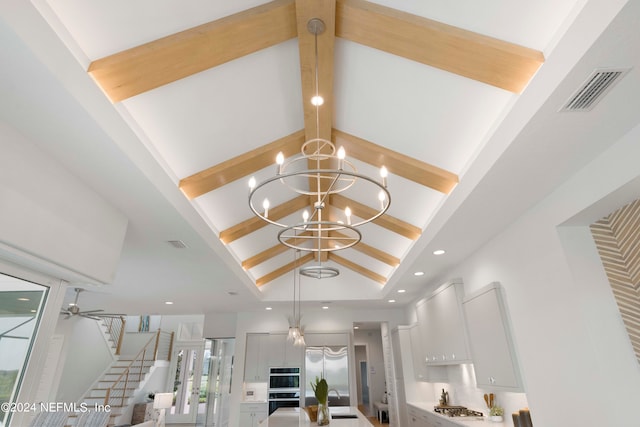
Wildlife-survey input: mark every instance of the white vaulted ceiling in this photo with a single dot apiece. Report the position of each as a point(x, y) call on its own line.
point(180, 121)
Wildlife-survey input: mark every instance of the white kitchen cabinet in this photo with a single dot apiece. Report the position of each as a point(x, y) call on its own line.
point(417, 353)
point(416, 418)
point(442, 327)
point(282, 353)
point(494, 359)
point(256, 360)
point(251, 414)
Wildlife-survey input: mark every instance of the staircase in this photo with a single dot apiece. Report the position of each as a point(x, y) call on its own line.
point(117, 386)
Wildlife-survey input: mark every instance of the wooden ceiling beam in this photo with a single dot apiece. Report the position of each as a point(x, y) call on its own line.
point(357, 268)
point(387, 221)
point(371, 251)
point(254, 223)
point(157, 63)
point(326, 11)
point(240, 166)
point(284, 269)
point(478, 57)
point(397, 164)
point(273, 251)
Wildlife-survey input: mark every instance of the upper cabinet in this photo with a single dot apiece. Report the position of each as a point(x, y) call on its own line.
point(255, 361)
point(494, 358)
point(282, 353)
point(441, 325)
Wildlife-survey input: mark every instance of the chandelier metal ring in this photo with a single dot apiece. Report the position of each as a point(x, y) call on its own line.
point(319, 272)
point(385, 203)
point(318, 230)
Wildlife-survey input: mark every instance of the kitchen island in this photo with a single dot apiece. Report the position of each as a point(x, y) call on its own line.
point(297, 417)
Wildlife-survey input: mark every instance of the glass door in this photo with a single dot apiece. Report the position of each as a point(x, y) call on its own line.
point(219, 381)
point(21, 305)
point(190, 396)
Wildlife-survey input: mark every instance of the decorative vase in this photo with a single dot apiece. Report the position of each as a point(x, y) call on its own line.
point(323, 414)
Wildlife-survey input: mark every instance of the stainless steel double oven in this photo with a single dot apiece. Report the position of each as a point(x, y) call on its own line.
point(284, 388)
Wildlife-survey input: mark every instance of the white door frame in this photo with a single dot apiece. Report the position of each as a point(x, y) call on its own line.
point(189, 348)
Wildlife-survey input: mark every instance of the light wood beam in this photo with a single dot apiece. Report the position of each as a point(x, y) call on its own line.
point(273, 251)
point(387, 221)
point(371, 251)
point(326, 11)
point(254, 223)
point(284, 270)
point(357, 268)
point(240, 166)
point(157, 63)
point(398, 164)
point(492, 61)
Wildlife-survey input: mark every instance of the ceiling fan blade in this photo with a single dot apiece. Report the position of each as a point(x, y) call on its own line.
point(110, 314)
point(90, 317)
point(90, 311)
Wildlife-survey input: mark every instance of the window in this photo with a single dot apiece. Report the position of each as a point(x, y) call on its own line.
point(21, 304)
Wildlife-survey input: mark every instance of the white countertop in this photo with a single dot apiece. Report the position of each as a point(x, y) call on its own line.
point(297, 417)
point(462, 421)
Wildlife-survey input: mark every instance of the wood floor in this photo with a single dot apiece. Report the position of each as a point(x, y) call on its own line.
point(373, 420)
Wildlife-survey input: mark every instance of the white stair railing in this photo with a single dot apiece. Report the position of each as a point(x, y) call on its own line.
point(159, 347)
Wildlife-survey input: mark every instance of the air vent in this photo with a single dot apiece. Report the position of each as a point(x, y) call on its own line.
point(593, 89)
point(178, 244)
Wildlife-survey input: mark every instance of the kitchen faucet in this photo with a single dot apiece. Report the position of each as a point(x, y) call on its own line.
point(333, 389)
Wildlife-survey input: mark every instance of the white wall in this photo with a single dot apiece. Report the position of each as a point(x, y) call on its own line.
point(52, 222)
point(577, 361)
point(86, 356)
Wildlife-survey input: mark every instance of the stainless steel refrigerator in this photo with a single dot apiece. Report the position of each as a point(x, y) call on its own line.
point(331, 363)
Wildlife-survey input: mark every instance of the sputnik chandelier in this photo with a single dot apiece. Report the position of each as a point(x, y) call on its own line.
point(320, 172)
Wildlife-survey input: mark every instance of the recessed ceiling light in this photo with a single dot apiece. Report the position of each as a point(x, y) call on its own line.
point(401, 291)
point(317, 100)
point(392, 300)
point(356, 327)
point(24, 299)
point(268, 308)
point(438, 252)
point(33, 311)
point(325, 307)
point(168, 302)
point(419, 273)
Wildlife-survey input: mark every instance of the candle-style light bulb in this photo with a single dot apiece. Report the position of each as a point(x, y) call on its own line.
point(305, 215)
point(347, 212)
point(252, 183)
point(265, 205)
point(384, 173)
point(279, 162)
point(341, 155)
point(382, 197)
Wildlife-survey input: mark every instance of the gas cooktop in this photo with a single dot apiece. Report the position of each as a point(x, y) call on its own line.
point(457, 411)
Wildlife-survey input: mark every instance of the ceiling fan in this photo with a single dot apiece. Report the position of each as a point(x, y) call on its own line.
point(74, 310)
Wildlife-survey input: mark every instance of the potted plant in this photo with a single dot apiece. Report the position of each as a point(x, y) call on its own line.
point(321, 390)
point(496, 413)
